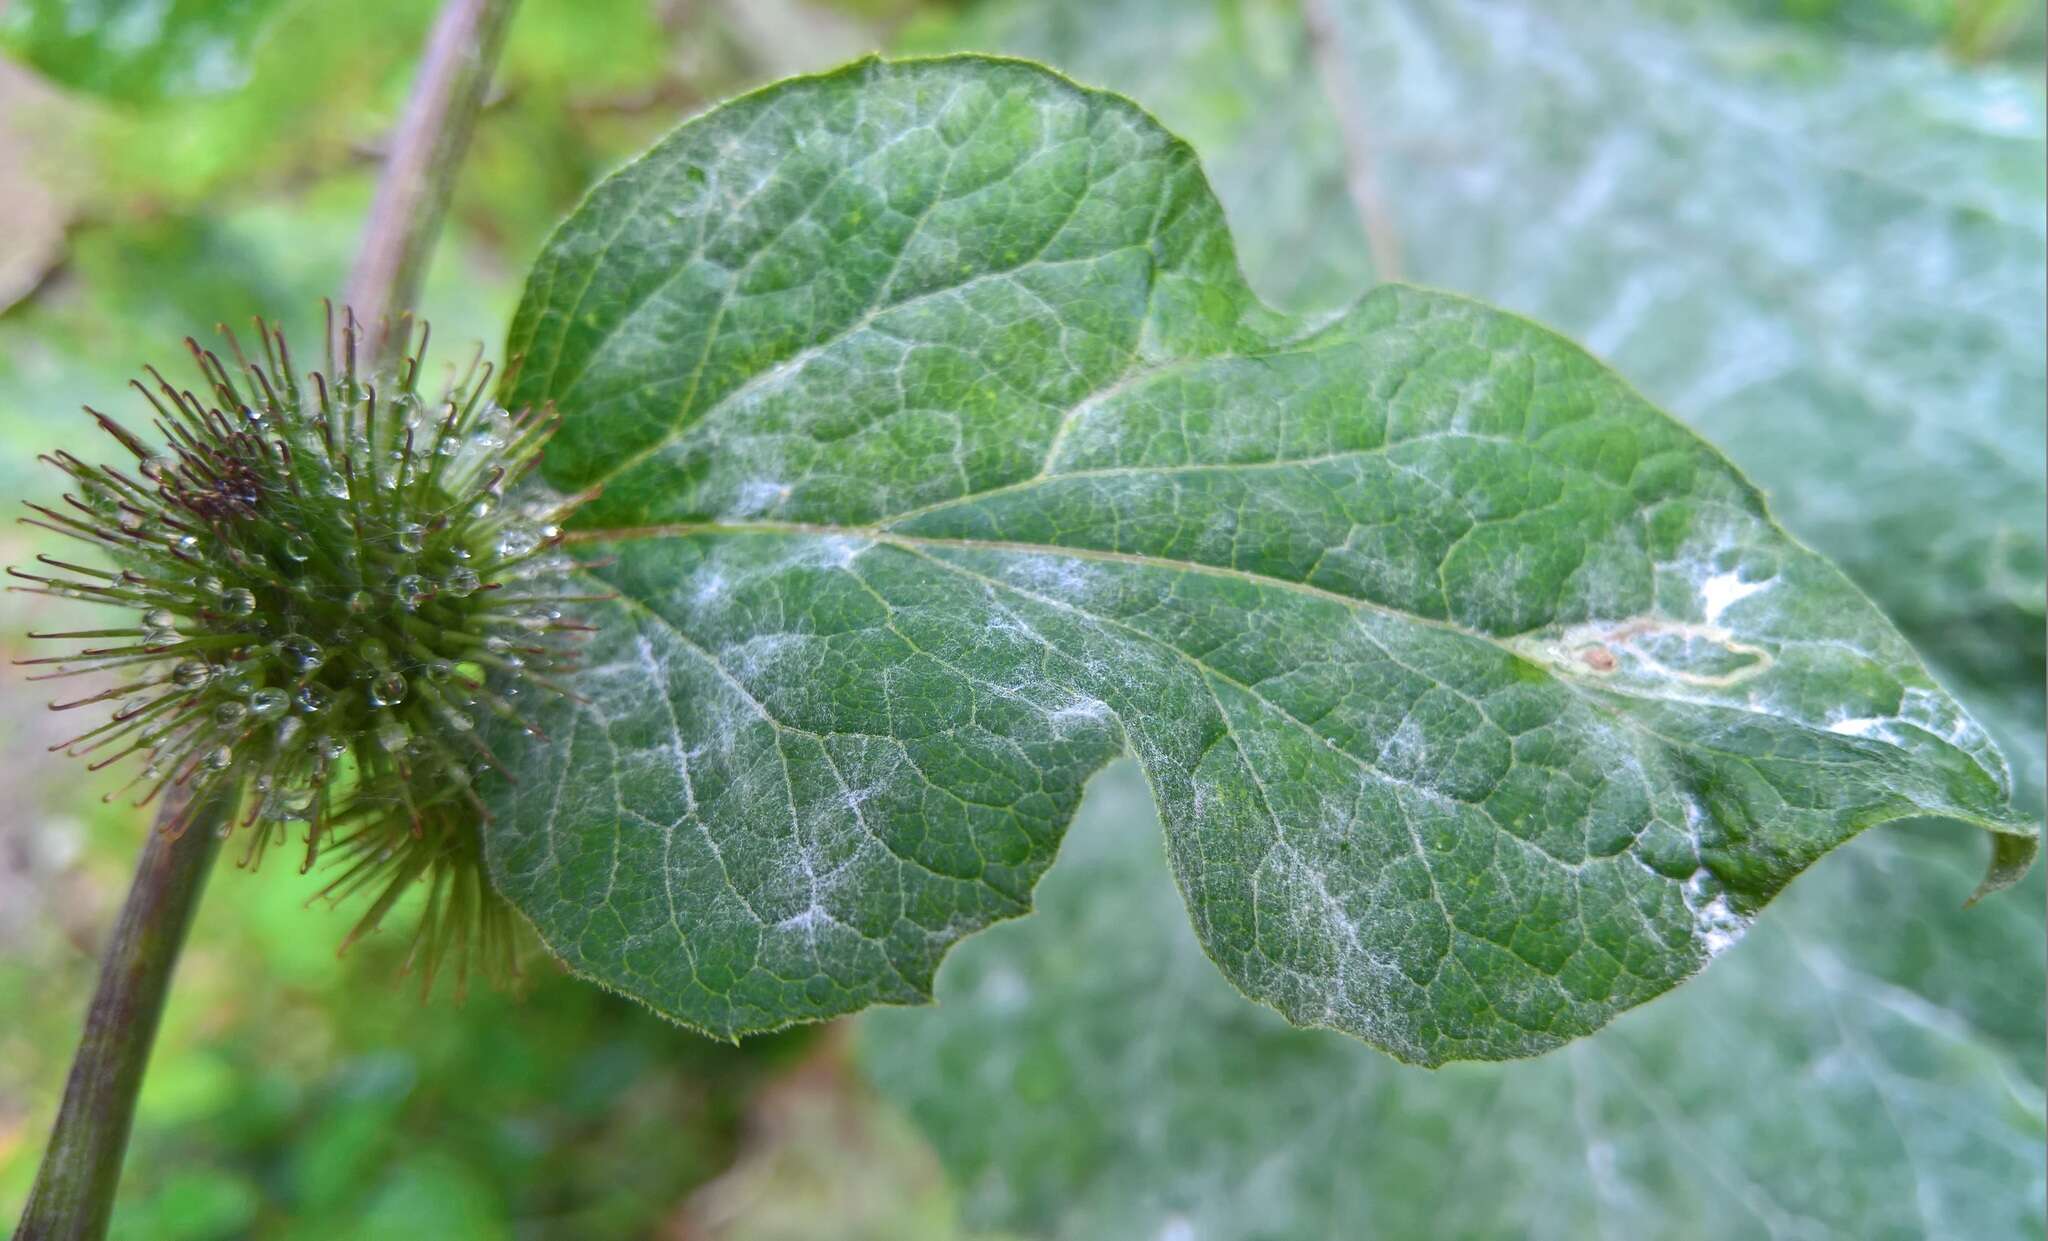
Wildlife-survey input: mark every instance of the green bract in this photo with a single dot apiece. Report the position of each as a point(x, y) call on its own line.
point(947, 457)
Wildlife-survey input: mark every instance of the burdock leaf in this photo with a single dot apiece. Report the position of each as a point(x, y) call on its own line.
point(946, 456)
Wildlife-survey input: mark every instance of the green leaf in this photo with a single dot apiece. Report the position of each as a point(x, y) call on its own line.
point(138, 51)
point(1845, 1073)
point(946, 456)
point(1828, 258)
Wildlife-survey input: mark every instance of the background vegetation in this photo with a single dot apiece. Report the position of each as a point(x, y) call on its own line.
point(1814, 228)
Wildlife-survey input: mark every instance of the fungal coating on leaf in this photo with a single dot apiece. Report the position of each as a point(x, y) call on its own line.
point(949, 457)
point(326, 591)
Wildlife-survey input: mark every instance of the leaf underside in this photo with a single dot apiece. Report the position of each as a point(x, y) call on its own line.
point(947, 457)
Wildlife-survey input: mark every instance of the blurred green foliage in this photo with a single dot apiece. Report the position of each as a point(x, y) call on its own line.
point(138, 51)
point(203, 160)
point(293, 1095)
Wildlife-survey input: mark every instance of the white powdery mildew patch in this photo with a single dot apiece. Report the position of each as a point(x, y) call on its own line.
point(1360, 998)
point(836, 551)
point(708, 588)
point(1407, 749)
point(760, 656)
point(1715, 924)
point(1722, 591)
point(757, 496)
point(1079, 710)
point(1065, 578)
point(805, 923)
point(1937, 714)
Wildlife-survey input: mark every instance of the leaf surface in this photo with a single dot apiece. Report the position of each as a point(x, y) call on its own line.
point(946, 456)
point(1828, 258)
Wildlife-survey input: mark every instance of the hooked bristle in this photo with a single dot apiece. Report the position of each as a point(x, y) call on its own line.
point(330, 590)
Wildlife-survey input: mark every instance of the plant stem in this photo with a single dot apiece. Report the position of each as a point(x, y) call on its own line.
point(73, 1197)
point(1361, 181)
point(419, 171)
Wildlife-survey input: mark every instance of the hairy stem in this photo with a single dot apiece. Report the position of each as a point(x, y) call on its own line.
point(419, 170)
point(73, 1195)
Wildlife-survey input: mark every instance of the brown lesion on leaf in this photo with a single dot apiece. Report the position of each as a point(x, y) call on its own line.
point(1649, 648)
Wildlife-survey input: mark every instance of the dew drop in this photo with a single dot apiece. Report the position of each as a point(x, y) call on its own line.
point(229, 713)
point(461, 583)
point(517, 541)
point(387, 690)
point(298, 547)
point(191, 674)
point(313, 699)
point(186, 543)
point(220, 757)
point(161, 619)
point(301, 651)
point(238, 602)
point(412, 590)
point(268, 703)
point(411, 537)
point(393, 738)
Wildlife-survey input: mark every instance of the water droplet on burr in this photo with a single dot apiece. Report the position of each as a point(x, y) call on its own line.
point(387, 690)
point(301, 652)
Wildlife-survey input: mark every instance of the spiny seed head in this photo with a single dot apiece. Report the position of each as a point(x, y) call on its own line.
point(327, 591)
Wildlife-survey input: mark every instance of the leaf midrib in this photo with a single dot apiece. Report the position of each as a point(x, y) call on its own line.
point(883, 535)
